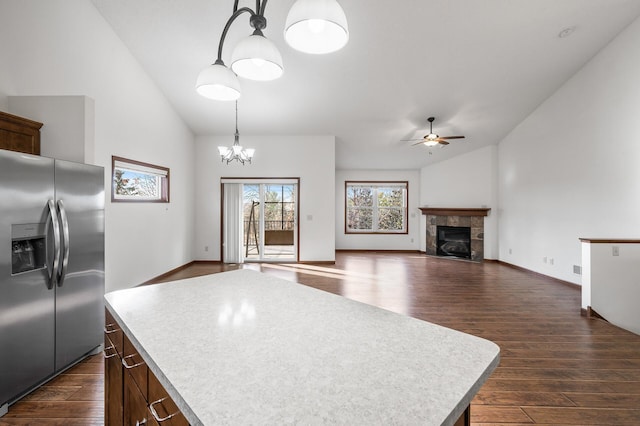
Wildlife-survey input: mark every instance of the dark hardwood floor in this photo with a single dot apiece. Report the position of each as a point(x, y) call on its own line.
point(557, 368)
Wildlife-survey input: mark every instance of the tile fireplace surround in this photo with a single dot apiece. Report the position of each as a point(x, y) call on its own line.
point(452, 216)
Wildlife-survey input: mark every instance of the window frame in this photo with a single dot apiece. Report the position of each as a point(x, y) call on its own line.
point(375, 185)
point(161, 173)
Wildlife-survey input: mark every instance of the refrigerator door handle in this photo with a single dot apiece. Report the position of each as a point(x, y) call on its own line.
point(53, 271)
point(65, 243)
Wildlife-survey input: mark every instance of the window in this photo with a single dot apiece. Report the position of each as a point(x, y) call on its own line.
point(134, 181)
point(376, 207)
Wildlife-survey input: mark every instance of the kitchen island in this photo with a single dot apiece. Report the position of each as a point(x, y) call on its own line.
point(243, 347)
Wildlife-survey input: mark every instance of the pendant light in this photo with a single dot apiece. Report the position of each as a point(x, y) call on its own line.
point(316, 26)
point(218, 82)
point(257, 58)
point(313, 26)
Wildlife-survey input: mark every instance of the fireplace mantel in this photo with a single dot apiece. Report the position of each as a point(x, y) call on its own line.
point(455, 211)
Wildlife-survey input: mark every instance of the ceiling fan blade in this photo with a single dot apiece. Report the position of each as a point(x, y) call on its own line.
point(443, 143)
point(451, 137)
point(418, 143)
point(411, 140)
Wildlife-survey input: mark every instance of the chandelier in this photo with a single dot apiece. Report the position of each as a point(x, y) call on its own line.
point(312, 26)
point(236, 152)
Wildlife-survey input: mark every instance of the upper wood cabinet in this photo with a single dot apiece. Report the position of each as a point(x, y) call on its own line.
point(19, 134)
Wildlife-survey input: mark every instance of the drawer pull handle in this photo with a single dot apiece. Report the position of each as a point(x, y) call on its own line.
point(129, 367)
point(110, 328)
point(110, 348)
point(141, 422)
point(155, 413)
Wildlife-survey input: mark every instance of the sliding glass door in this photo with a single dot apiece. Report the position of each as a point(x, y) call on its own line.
point(269, 220)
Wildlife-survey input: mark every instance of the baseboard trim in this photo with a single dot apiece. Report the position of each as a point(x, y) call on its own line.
point(591, 314)
point(520, 268)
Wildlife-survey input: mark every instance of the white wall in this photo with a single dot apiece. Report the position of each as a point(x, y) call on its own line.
point(69, 133)
point(310, 158)
point(410, 241)
point(570, 170)
point(469, 180)
point(65, 48)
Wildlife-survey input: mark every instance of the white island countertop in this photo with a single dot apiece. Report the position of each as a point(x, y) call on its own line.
point(243, 347)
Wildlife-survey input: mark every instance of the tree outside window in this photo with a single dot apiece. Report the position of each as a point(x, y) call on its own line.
point(376, 207)
point(134, 181)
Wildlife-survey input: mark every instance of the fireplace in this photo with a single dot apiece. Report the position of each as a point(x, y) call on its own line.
point(468, 246)
point(454, 241)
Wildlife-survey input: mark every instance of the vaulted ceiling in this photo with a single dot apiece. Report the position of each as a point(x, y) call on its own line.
point(479, 66)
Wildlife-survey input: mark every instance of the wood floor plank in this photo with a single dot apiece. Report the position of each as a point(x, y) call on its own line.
point(600, 400)
point(505, 414)
point(55, 409)
point(584, 416)
point(513, 385)
point(52, 393)
point(554, 399)
point(567, 374)
point(47, 421)
point(613, 363)
point(557, 367)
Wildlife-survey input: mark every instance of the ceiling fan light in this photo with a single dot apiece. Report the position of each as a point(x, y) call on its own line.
point(257, 58)
point(218, 82)
point(431, 143)
point(316, 26)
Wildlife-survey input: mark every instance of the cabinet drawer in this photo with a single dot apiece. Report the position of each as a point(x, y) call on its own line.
point(114, 332)
point(162, 407)
point(135, 366)
point(135, 404)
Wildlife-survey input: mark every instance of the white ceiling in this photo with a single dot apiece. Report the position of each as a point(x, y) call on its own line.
point(479, 66)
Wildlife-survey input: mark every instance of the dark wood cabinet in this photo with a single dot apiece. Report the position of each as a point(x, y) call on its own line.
point(113, 378)
point(133, 394)
point(19, 134)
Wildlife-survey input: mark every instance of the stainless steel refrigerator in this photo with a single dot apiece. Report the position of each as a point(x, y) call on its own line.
point(51, 268)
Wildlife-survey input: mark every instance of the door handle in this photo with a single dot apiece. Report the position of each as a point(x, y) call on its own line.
point(65, 241)
point(52, 272)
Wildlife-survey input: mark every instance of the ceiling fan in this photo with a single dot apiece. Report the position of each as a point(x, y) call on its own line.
point(433, 139)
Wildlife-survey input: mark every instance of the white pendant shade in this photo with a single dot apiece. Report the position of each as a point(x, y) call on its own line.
point(257, 58)
point(316, 26)
point(218, 82)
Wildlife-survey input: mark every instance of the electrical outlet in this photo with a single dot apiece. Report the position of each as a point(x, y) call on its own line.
point(551, 261)
point(615, 250)
point(510, 251)
point(577, 269)
point(206, 248)
point(544, 259)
